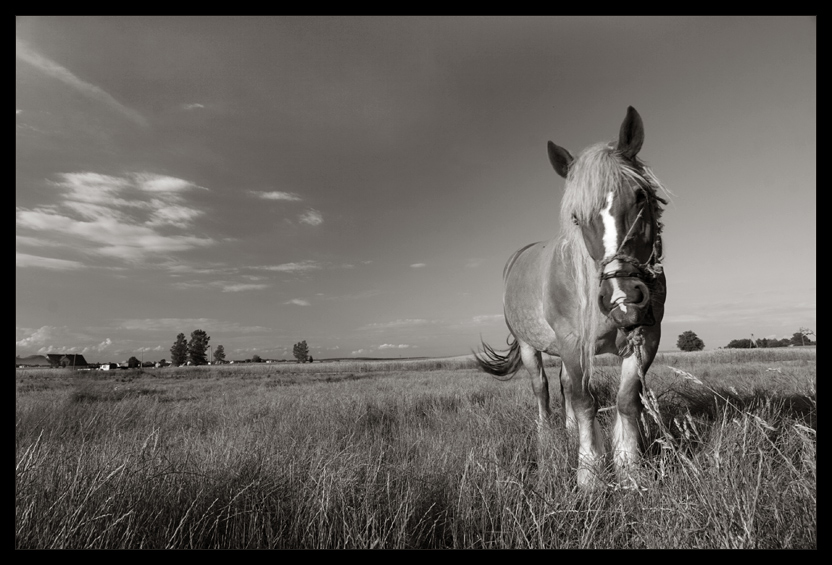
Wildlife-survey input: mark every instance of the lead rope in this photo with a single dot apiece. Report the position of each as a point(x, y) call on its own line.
point(635, 341)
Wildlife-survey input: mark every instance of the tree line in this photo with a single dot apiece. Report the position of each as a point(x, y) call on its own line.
point(195, 351)
point(689, 341)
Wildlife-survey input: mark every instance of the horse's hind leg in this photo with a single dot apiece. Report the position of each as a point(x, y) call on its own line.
point(533, 361)
point(566, 393)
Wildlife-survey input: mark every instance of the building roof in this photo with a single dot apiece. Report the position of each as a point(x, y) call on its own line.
point(72, 359)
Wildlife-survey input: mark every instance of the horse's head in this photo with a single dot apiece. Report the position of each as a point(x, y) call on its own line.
point(611, 197)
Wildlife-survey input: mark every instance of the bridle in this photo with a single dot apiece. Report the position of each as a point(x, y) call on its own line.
point(647, 272)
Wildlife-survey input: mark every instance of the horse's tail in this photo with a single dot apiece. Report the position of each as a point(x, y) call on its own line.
point(500, 365)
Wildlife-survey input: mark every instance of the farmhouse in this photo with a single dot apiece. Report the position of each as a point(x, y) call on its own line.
point(66, 360)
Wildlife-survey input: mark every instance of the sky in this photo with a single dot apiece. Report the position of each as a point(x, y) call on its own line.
point(360, 182)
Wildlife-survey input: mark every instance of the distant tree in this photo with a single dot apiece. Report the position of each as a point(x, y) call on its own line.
point(179, 351)
point(219, 354)
point(301, 351)
point(256, 359)
point(197, 347)
point(133, 363)
point(805, 333)
point(800, 338)
point(163, 362)
point(689, 341)
point(739, 344)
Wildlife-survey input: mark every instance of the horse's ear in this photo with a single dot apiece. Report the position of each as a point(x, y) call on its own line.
point(631, 135)
point(560, 159)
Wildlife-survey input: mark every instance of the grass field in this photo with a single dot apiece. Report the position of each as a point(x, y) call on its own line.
point(410, 454)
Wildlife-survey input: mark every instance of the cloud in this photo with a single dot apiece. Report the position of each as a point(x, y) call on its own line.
point(276, 195)
point(402, 323)
point(360, 351)
point(311, 217)
point(418, 265)
point(392, 346)
point(50, 339)
point(38, 337)
point(298, 302)
point(187, 325)
point(174, 216)
point(224, 286)
point(307, 265)
point(54, 70)
point(24, 260)
point(683, 319)
point(193, 106)
point(488, 318)
point(240, 287)
point(104, 344)
point(151, 182)
point(473, 263)
point(118, 217)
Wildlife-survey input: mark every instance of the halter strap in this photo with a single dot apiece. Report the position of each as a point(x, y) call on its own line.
point(645, 271)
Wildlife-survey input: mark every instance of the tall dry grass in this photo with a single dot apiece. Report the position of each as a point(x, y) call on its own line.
point(253, 457)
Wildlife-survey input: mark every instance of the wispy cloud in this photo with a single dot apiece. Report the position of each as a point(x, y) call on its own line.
point(240, 287)
point(311, 217)
point(418, 265)
point(473, 263)
point(297, 302)
point(54, 70)
point(24, 260)
point(223, 286)
point(302, 266)
point(194, 106)
point(488, 318)
point(276, 195)
point(118, 217)
point(401, 323)
point(392, 346)
point(187, 325)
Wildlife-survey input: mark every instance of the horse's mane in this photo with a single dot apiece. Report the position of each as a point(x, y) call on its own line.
point(591, 174)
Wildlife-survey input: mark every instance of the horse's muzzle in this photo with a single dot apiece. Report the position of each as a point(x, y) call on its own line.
point(626, 302)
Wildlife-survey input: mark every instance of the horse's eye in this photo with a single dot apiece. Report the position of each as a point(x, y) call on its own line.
point(641, 196)
point(575, 220)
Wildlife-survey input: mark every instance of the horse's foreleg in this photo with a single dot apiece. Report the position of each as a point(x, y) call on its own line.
point(590, 437)
point(626, 435)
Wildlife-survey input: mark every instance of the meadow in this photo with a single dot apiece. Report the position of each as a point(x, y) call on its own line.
point(410, 454)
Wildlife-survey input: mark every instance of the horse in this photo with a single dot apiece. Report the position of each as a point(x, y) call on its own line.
point(596, 287)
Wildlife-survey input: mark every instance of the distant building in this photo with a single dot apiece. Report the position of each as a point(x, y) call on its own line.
point(70, 360)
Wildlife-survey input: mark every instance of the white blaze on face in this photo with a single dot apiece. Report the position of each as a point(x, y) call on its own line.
point(610, 248)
